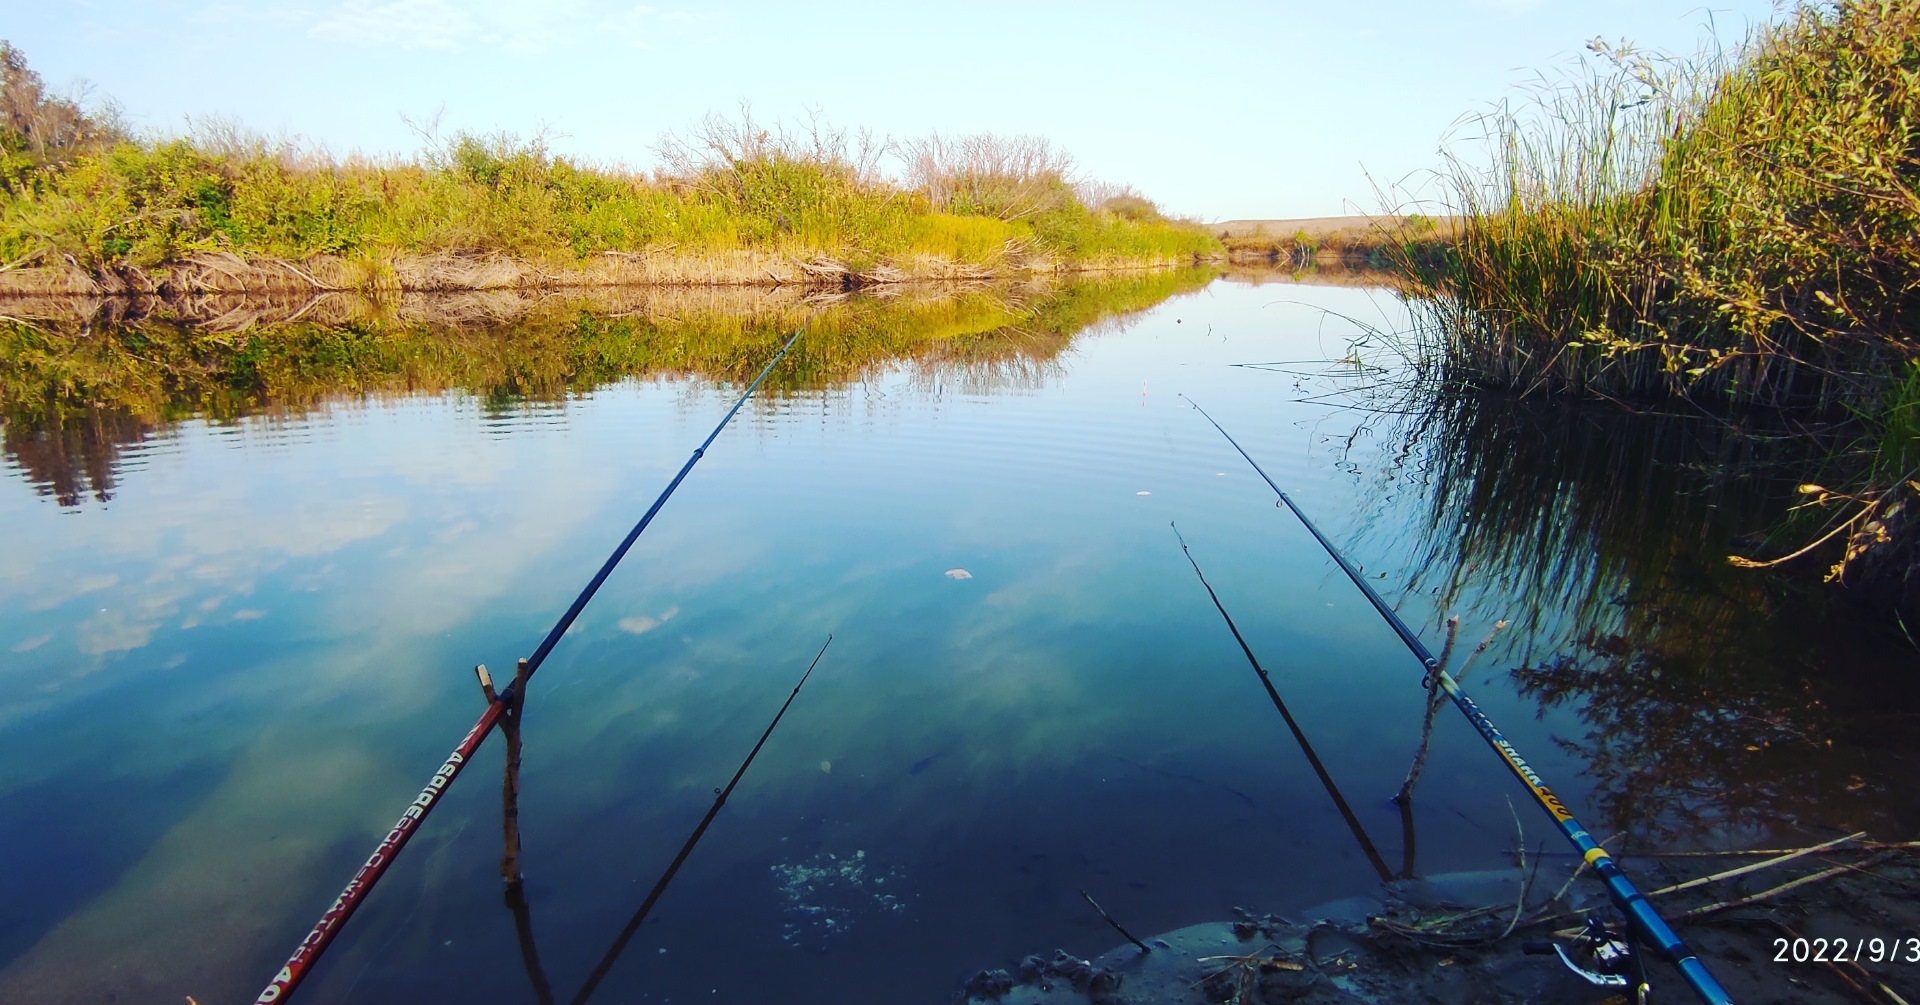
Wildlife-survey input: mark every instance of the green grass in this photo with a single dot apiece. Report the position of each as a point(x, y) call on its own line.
point(1740, 227)
point(105, 202)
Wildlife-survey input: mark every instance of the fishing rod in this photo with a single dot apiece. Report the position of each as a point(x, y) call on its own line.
point(1620, 889)
point(308, 952)
point(522, 916)
point(660, 886)
point(1339, 801)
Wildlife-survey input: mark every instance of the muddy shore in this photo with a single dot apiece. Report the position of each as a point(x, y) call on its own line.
point(1453, 939)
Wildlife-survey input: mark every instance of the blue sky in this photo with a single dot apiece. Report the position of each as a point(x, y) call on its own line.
point(1216, 110)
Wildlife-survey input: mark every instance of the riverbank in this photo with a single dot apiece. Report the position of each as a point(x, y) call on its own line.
point(1759, 922)
point(1735, 231)
point(88, 207)
point(203, 273)
point(1736, 228)
point(1341, 242)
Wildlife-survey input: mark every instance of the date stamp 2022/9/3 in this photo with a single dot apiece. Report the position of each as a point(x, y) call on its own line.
point(1866, 949)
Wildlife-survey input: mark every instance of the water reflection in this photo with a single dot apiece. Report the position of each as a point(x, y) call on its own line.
point(1306, 747)
point(1717, 701)
point(75, 456)
point(322, 514)
point(88, 379)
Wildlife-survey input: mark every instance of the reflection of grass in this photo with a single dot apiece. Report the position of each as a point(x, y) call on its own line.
point(61, 384)
point(1564, 502)
point(1714, 696)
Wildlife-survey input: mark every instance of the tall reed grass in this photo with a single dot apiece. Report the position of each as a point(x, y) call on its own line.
point(109, 203)
point(1739, 226)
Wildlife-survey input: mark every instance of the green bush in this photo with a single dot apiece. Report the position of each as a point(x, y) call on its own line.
point(107, 202)
point(1740, 227)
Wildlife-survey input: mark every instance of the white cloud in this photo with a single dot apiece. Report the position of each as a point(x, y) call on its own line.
point(635, 23)
point(409, 24)
point(112, 632)
point(453, 24)
point(222, 13)
point(58, 595)
point(1509, 6)
point(642, 624)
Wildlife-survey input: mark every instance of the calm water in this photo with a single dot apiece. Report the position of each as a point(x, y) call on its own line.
point(225, 676)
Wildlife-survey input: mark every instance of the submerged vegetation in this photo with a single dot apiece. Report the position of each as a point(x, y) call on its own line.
point(95, 207)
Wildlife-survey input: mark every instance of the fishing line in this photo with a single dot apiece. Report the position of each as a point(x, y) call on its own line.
point(660, 886)
point(1625, 896)
point(321, 936)
point(1339, 801)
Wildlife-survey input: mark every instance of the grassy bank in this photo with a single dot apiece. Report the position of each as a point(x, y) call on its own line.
point(87, 207)
point(1349, 242)
point(1739, 230)
point(1739, 227)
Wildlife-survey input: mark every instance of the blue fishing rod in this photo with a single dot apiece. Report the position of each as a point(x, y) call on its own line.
point(1625, 896)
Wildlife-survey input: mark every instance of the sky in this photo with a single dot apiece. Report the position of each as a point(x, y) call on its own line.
point(1216, 110)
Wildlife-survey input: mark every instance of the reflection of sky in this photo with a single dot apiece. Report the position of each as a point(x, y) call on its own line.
point(224, 684)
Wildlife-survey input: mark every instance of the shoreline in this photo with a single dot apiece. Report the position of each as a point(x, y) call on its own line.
point(1367, 241)
point(217, 273)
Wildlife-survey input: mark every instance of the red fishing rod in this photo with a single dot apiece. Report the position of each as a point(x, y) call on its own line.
point(308, 952)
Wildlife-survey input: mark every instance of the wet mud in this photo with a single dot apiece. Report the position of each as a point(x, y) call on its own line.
point(1400, 945)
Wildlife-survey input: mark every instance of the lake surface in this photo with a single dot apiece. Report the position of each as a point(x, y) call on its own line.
point(235, 643)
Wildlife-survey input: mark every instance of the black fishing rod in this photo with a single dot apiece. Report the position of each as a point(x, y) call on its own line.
point(1299, 736)
point(323, 932)
point(660, 886)
point(1625, 896)
point(606, 569)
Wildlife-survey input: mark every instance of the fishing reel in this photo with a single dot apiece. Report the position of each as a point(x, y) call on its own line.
point(1601, 957)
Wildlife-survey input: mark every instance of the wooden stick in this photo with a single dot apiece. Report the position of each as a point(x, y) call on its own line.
point(1754, 867)
point(1744, 852)
point(510, 783)
point(1871, 875)
point(1116, 925)
point(1729, 874)
point(1526, 879)
point(1434, 697)
point(1435, 925)
point(1728, 905)
point(1577, 872)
